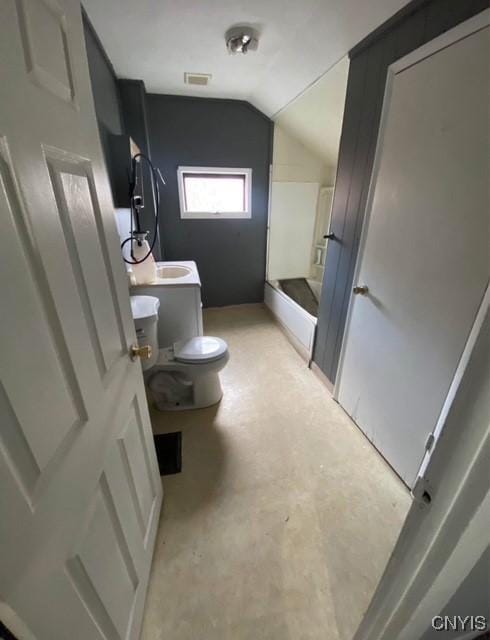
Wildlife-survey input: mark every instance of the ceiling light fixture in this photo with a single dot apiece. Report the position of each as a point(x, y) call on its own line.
point(241, 39)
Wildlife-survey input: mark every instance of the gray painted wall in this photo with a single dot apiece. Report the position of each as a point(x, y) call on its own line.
point(230, 254)
point(418, 23)
point(134, 113)
point(104, 87)
point(175, 131)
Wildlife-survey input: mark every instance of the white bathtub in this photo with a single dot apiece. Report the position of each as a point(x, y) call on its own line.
point(299, 324)
point(316, 287)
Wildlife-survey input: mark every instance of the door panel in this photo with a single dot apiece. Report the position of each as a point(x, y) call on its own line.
point(425, 257)
point(104, 560)
point(134, 454)
point(46, 46)
point(73, 188)
point(80, 490)
point(35, 344)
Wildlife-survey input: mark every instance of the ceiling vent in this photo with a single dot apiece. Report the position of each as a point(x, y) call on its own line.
point(200, 79)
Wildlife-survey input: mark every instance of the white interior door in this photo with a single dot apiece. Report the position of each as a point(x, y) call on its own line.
point(425, 257)
point(80, 491)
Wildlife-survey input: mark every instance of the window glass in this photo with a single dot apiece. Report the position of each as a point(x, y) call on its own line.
point(214, 192)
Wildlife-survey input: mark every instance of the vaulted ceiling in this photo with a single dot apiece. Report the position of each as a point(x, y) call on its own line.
point(315, 117)
point(157, 41)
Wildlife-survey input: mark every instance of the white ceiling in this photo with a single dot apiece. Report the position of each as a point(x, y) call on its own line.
point(315, 117)
point(158, 40)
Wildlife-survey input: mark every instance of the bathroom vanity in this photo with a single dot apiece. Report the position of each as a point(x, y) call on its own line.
point(178, 287)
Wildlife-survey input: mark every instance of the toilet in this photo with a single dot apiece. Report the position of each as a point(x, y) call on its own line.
point(145, 315)
point(184, 375)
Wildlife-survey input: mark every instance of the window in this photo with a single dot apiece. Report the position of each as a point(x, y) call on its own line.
point(214, 192)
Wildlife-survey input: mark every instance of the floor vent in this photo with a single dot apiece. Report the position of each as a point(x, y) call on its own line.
point(5, 634)
point(169, 452)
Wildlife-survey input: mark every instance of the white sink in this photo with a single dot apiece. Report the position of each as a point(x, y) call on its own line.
point(173, 271)
point(169, 275)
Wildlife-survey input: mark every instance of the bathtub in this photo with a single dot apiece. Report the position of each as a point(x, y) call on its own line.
point(316, 287)
point(300, 326)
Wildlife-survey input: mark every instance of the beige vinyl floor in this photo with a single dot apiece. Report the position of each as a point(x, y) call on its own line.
point(284, 516)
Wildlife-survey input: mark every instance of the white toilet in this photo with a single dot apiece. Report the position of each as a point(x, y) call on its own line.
point(145, 316)
point(184, 375)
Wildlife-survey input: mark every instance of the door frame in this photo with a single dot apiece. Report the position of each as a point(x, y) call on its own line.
point(459, 32)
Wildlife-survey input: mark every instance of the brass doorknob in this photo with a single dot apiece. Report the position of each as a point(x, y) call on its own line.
point(143, 352)
point(360, 290)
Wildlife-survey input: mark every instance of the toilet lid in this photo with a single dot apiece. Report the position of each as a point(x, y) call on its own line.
point(200, 349)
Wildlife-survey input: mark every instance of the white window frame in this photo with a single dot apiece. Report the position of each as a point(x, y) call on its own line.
point(215, 215)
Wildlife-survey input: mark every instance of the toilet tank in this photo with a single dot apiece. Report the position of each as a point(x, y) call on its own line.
point(180, 314)
point(145, 316)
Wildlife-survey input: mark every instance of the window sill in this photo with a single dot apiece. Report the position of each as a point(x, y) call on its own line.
point(210, 215)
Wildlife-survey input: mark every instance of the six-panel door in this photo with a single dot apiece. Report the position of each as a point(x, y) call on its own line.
point(80, 491)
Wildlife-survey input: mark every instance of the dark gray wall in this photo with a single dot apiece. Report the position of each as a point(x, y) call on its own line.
point(418, 23)
point(175, 131)
point(104, 87)
point(133, 106)
point(134, 113)
point(120, 108)
point(230, 254)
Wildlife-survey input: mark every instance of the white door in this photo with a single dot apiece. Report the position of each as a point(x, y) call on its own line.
point(425, 257)
point(80, 491)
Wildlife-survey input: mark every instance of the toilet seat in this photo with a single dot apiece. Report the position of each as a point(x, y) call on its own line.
point(200, 350)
